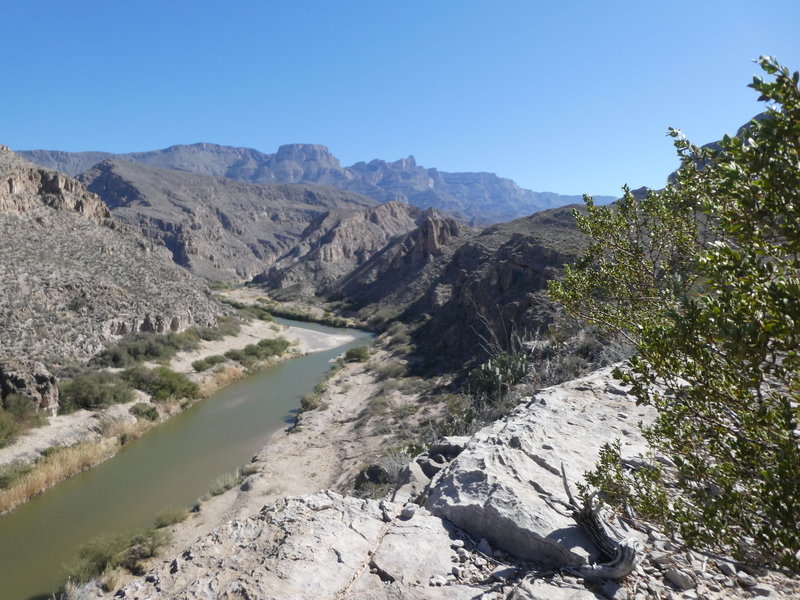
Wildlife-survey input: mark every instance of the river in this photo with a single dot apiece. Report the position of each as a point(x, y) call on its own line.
point(171, 465)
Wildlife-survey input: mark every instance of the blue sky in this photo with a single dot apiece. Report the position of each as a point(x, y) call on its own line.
point(570, 96)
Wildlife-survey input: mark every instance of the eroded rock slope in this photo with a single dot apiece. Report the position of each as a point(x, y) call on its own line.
point(73, 277)
point(216, 227)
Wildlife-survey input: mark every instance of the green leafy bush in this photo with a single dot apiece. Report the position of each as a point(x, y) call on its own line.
point(9, 429)
point(171, 516)
point(110, 551)
point(142, 410)
point(206, 363)
point(93, 390)
point(24, 410)
point(359, 354)
point(161, 383)
point(146, 347)
point(704, 277)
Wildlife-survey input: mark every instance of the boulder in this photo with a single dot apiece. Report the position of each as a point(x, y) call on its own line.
point(506, 485)
point(31, 379)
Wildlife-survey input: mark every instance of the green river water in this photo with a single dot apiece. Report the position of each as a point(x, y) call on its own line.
point(172, 465)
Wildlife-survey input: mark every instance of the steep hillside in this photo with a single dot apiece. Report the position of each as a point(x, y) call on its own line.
point(218, 228)
point(465, 287)
point(73, 276)
point(475, 197)
point(333, 245)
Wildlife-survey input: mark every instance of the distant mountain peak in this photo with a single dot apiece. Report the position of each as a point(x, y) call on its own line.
point(476, 198)
point(307, 153)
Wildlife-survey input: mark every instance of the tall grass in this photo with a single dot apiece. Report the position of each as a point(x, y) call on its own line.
point(56, 466)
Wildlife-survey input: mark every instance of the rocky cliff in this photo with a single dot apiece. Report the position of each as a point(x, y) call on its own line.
point(333, 245)
point(216, 227)
point(405, 269)
point(480, 198)
point(73, 277)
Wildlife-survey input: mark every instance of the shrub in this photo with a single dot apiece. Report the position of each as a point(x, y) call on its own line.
point(11, 473)
point(225, 482)
point(9, 429)
point(142, 410)
point(359, 354)
point(93, 390)
point(161, 383)
point(24, 410)
point(226, 326)
point(704, 278)
point(109, 551)
point(203, 364)
point(146, 347)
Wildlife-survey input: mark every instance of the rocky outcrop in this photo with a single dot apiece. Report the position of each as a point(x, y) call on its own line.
point(24, 187)
point(73, 277)
point(479, 198)
point(334, 244)
point(328, 547)
point(217, 228)
point(31, 379)
point(401, 271)
point(506, 485)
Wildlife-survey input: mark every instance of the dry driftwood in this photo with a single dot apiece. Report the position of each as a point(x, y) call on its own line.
point(623, 554)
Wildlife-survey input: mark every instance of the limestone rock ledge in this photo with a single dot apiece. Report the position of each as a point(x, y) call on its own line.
point(506, 484)
point(323, 546)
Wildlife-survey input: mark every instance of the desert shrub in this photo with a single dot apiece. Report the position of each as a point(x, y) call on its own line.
point(310, 401)
point(146, 347)
point(93, 390)
point(252, 353)
point(109, 551)
point(203, 364)
point(391, 370)
point(9, 429)
point(225, 482)
point(359, 354)
point(161, 383)
point(142, 410)
point(24, 410)
point(226, 326)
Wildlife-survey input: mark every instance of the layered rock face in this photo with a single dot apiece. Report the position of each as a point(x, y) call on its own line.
point(217, 228)
point(334, 244)
point(479, 198)
point(73, 277)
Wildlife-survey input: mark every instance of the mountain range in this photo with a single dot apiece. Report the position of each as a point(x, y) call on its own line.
point(475, 198)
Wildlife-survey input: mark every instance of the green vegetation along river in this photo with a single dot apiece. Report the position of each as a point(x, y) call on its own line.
point(172, 465)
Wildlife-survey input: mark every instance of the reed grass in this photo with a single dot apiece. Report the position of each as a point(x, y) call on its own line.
point(58, 465)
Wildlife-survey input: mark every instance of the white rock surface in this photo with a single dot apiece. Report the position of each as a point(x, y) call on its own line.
point(506, 482)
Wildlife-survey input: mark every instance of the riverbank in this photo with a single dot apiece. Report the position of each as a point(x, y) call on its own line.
point(100, 434)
